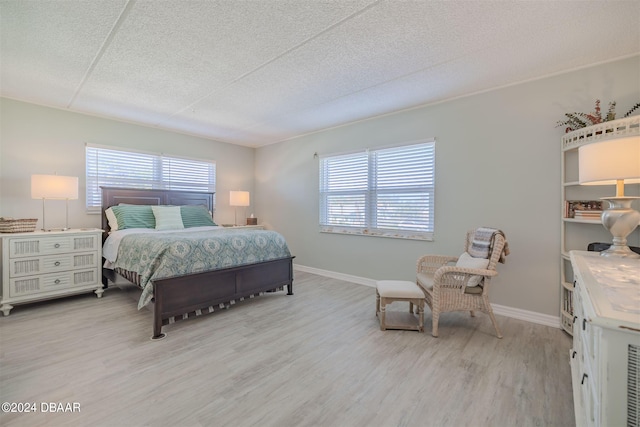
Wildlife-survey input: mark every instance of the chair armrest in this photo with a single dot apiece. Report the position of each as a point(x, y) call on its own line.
point(428, 264)
point(458, 277)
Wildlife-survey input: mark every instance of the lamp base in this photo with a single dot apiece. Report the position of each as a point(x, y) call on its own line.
point(619, 251)
point(620, 219)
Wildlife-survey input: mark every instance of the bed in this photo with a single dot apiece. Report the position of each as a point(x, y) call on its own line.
point(191, 294)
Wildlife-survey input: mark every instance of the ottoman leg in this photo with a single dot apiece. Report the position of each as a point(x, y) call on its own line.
point(421, 316)
point(383, 304)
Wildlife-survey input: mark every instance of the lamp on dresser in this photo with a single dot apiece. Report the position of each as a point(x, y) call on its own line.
point(238, 199)
point(614, 162)
point(54, 187)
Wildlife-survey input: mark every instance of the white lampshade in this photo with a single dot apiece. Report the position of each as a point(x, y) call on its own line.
point(604, 163)
point(54, 187)
point(614, 161)
point(238, 198)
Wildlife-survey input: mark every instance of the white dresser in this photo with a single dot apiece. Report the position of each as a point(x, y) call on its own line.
point(43, 265)
point(605, 358)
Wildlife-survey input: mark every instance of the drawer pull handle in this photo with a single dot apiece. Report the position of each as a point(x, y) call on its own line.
point(57, 245)
point(584, 324)
point(584, 377)
point(57, 263)
point(573, 355)
point(57, 281)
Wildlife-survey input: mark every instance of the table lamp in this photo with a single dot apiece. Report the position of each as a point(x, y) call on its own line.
point(614, 161)
point(54, 187)
point(238, 199)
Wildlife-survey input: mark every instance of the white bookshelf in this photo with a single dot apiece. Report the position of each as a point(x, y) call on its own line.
point(576, 234)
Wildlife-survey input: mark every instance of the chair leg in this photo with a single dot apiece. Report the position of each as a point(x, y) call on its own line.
point(421, 317)
point(495, 324)
point(434, 327)
point(383, 308)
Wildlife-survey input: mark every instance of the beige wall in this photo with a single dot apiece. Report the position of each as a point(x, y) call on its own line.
point(497, 164)
point(41, 140)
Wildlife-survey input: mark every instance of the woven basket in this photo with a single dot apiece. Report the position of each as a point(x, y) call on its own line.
point(8, 225)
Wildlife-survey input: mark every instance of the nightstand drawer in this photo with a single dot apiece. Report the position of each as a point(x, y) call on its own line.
point(48, 264)
point(51, 282)
point(24, 247)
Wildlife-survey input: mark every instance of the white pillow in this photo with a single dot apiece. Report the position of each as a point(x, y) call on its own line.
point(167, 217)
point(111, 218)
point(467, 261)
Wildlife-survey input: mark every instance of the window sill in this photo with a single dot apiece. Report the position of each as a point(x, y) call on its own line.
point(393, 234)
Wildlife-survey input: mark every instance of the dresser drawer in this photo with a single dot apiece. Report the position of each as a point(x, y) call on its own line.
point(29, 247)
point(29, 285)
point(53, 263)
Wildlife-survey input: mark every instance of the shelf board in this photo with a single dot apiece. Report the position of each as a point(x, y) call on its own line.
point(583, 221)
point(571, 183)
point(567, 285)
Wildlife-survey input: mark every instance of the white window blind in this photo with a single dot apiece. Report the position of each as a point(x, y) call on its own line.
point(385, 192)
point(108, 167)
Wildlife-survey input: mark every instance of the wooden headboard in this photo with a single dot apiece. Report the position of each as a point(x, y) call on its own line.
point(112, 196)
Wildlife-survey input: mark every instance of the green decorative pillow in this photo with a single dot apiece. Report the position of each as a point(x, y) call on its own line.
point(195, 216)
point(133, 216)
point(167, 217)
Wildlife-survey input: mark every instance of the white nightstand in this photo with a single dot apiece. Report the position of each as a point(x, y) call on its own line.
point(43, 265)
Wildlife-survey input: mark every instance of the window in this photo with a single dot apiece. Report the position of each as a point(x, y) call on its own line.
point(108, 167)
point(386, 192)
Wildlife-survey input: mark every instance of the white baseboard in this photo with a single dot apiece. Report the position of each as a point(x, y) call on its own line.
point(335, 275)
point(529, 316)
point(502, 310)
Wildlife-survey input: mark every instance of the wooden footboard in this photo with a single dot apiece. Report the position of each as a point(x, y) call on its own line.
point(202, 292)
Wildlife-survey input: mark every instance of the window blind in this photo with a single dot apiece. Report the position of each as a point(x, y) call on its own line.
point(387, 192)
point(109, 167)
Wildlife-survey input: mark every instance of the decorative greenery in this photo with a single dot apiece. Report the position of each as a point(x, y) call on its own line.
point(575, 120)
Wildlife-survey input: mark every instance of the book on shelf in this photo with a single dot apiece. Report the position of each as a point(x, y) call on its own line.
point(587, 214)
point(568, 301)
point(583, 209)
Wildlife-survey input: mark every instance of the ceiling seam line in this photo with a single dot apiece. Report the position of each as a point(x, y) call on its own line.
point(105, 44)
point(291, 49)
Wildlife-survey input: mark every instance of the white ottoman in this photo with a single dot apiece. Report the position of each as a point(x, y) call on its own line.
point(388, 291)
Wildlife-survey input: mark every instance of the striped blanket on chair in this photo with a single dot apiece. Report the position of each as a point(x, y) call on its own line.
point(482, 243)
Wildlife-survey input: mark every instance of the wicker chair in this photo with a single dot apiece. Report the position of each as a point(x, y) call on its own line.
point(445, 286)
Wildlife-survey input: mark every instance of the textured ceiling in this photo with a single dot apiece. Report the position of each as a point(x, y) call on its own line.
point(258, 72)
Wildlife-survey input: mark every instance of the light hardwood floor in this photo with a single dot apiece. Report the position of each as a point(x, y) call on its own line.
point(317, 358)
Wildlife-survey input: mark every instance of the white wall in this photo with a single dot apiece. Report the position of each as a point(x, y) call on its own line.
point(497, 164)
point(41, 140)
